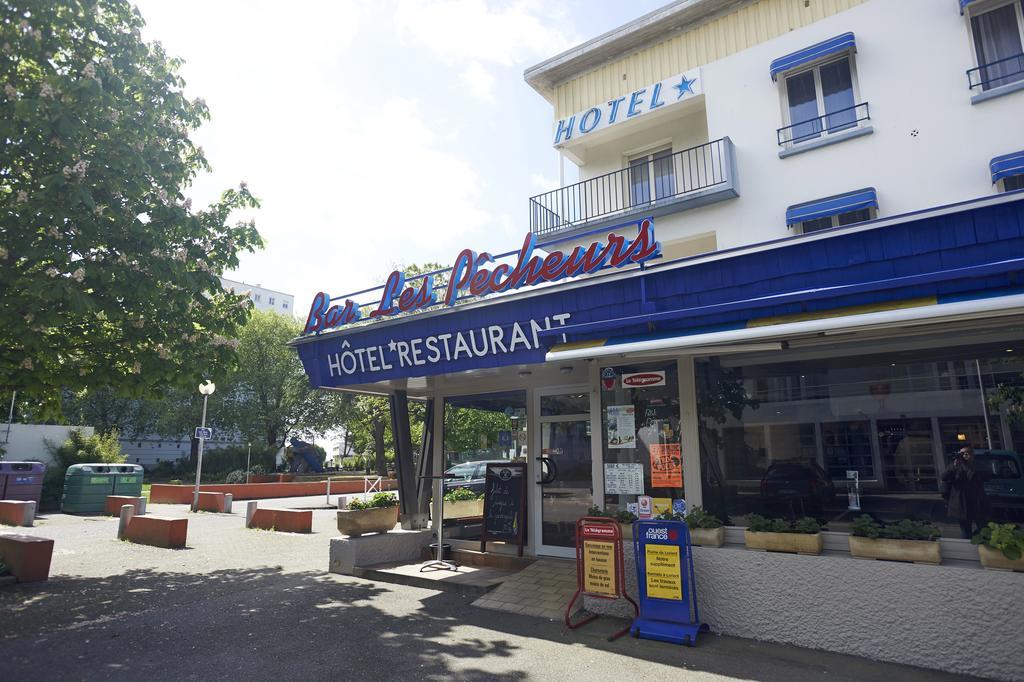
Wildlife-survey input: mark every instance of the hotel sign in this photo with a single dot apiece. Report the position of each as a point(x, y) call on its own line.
point(637, 103)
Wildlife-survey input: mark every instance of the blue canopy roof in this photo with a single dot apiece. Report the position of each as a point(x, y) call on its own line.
point(829, 206)
point(835, 45)
point(1007, 165)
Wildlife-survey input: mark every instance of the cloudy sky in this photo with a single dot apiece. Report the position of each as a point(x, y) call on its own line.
point(375, 132)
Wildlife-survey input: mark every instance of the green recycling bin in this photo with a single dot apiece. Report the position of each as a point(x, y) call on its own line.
point(86, 486)
point(127, 479)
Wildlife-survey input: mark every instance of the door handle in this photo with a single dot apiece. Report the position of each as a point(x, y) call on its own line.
point(549, 470)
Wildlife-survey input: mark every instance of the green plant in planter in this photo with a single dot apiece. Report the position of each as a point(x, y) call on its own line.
point(621, 516)
point(461, 495)
point(594, 510)
point(1004, 537)
point(624, 516)
point(906, 529)
point(698, 518)
point(378, 500)
point(760, 524)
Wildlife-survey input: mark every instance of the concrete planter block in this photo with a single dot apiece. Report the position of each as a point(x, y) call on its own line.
point(17, 512)
point(916, 551)
point(995, 560)
point(27, 556)
point(400, 545)
point(708, 537)
point(798, 543)
point(463, 509)
point(355, 522)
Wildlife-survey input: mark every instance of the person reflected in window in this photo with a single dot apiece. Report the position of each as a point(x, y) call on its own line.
point(964, 490)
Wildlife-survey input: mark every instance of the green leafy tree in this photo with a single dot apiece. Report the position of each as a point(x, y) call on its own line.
point(268, 397)
point(108, 277)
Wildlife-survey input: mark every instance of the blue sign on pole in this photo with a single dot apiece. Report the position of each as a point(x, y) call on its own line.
point(204, 432)
point(665, 578)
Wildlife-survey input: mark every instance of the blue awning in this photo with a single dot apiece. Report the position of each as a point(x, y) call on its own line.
point(840, 43)
point(1007, 165)
point(964, 3)
point(829, 206)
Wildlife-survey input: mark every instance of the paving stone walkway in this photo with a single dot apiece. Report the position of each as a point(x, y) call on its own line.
point(542, 589)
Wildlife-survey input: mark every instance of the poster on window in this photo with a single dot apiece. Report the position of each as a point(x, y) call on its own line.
point(623, 478)
point(621, 426)
point(666, 465)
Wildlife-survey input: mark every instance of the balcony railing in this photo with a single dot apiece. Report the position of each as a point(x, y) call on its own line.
point(657, 181)
point(833, 122)
point(1000, 72)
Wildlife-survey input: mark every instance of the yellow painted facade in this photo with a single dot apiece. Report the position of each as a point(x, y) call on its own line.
point(738, 30)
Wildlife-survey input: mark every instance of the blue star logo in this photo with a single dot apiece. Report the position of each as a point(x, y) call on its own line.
point(685, 86)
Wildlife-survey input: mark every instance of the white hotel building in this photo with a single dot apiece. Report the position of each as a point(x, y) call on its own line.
point(836, 186)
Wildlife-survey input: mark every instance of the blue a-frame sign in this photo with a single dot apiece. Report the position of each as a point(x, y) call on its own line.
point(665, 578)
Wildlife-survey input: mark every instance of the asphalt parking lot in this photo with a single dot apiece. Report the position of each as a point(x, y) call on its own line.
point(249, 604)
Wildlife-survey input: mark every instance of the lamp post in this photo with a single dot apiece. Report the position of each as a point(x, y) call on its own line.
point(206, 388)
point(248, 453)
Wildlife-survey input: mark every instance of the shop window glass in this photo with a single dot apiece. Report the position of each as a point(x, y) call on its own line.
point(478, 429)
point(640, 425)
point(789, 438)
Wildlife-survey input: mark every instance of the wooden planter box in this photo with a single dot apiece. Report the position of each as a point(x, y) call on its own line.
point(997, 561)
point(708, 537)
point(355, 522)
point(799, 543)
point(916, 551)
point(463, 509)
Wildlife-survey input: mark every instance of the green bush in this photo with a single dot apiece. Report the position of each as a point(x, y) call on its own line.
point(696, 517)
point(222, 461)
point(378, 500)
point(907, 529)
point(236, 476)
point(77, 449)
point(622, 516)
point(163, 471)
point(759, 524)
point(461, 495)
point(258, 470)
point(1004, 537)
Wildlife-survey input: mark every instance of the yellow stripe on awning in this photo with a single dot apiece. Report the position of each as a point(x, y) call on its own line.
point(579, 345)
point(843, 312)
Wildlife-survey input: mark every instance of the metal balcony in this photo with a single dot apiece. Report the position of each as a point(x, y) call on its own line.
point(657, 185)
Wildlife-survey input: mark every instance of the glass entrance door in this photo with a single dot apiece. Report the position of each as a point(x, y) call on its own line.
point(563, 470)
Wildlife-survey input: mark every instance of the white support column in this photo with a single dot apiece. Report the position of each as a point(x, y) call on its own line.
point(690, 433)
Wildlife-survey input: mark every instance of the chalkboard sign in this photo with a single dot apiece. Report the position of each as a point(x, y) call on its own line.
point(504, 504)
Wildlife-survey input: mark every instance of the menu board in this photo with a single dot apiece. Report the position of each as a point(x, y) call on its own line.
point(504, 504)
point(623, 478)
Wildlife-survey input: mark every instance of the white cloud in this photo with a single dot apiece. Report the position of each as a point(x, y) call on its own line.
point(543, 183)
point(472, 30)
point(480, 82)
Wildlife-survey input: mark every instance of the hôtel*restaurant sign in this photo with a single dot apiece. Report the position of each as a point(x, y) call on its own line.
point(475, 275)
point(471, 337)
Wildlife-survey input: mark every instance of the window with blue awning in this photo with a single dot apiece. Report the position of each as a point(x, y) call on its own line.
point(1006, 166)
point(826, 48)
point(830, 206)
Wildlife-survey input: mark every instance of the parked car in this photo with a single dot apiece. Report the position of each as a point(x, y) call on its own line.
point(469, 475)
point(801, 485)
point(1005, 489)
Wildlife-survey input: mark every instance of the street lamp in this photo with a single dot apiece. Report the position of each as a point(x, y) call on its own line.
point(206, 388)
point(247, 455)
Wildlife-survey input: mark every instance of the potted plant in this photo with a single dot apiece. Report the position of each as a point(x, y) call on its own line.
point(624, 518)
point(706, 530)
point(462, 503)
point(802, 536)
point(1001, 547)
point(906, 540)
point(378, 515)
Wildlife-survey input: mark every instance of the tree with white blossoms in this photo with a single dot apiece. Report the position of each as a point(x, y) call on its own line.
point(108, 277)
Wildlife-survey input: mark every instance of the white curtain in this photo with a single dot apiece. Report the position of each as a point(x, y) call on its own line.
point(997, 37)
